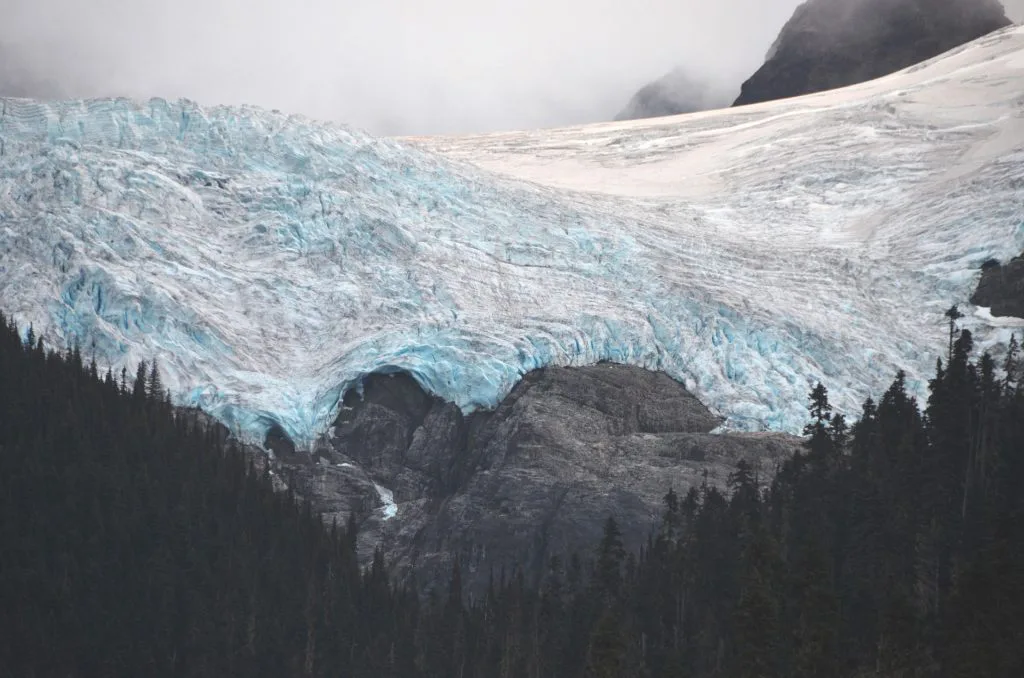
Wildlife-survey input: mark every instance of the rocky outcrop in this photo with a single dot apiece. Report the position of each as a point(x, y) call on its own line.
point(835, 43)
point(1001, 288)
point(672, 94)
point(535, 478)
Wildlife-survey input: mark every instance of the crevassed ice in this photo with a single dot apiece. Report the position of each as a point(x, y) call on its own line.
point(270, 261)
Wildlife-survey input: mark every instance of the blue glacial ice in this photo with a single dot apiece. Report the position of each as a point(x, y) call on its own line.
point(270, 261)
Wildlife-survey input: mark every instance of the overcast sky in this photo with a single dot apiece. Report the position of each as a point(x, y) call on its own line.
point(391, 66)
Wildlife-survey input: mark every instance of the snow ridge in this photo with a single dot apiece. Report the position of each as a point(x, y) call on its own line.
point(270, 261)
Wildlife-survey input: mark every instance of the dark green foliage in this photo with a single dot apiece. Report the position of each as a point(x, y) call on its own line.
point(607, 579)
point(134, 544)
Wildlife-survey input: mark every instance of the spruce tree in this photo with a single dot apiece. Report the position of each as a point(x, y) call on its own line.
point(953, 314)
point(154, 384)
point(1012, 366)
point(139, 386)
point(608, 569)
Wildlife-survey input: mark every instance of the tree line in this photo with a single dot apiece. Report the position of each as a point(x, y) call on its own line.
point(134, 541)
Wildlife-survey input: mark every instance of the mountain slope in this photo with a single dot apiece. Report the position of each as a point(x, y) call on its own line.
point(534, 479)
point(272, 262)
point(835, 43)
point(673, 93)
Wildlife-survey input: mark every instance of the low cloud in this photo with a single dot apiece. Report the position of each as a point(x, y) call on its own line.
point(389, 66)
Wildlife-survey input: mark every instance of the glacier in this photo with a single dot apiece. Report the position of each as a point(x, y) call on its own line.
point(269, 261)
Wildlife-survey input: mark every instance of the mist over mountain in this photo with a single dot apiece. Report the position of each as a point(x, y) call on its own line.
point(394, 67)
point(18, 79)
point(393, 316)
point(594, 400)
point(674, 93)
point(835, 43)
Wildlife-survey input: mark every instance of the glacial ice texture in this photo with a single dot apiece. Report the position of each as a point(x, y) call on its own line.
point(270, 261)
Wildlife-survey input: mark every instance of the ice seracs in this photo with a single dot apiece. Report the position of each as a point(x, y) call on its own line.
point(271, 261)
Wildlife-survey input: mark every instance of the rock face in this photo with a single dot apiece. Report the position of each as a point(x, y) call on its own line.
point(537, 477)
point(672, 94)
point(835, 43)
point(1002, 288)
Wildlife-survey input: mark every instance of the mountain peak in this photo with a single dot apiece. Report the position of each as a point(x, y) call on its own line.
point(834, 43)
point(674, 93)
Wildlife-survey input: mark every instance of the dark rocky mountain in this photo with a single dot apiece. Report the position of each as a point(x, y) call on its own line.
point(672, 94)
point(535, 478)
point(835, 43)
point(1001, 288)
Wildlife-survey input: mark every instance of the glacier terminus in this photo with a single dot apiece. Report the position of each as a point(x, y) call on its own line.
point(270, 262)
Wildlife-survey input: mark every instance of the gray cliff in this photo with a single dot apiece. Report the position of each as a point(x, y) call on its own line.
point(1001, 288)
point(535, 478)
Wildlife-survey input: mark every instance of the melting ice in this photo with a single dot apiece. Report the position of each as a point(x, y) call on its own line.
point(270, 261)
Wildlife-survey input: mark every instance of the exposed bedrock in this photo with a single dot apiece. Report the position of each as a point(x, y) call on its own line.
point(1001, 287)
point(835, 43)
point(534, 478)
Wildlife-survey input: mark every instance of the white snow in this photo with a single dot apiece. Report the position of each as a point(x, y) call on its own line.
point(271, 261)
point(984, 314)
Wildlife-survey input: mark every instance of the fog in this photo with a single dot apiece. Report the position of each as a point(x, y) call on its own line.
point(388, 66)
point(1015, 9)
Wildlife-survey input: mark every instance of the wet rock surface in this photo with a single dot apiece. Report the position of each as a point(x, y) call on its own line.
point(534, 478)
point(1001, 288)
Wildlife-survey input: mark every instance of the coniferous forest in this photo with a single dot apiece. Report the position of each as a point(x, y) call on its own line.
point(135, 542)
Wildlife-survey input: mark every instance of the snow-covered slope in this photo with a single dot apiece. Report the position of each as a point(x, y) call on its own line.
point(270, 261)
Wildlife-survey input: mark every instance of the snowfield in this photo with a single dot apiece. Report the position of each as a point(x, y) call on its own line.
point(270, 261)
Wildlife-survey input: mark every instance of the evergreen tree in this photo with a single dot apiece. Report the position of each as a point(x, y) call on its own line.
point(820, 409)
point(154, 383)
point(606, 656)
point(1012, 366)
point(953, 314)
point(135, 543)
point(610, 557)
point(139, 387)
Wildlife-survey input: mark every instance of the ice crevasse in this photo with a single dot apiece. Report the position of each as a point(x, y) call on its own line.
point(269, 261)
